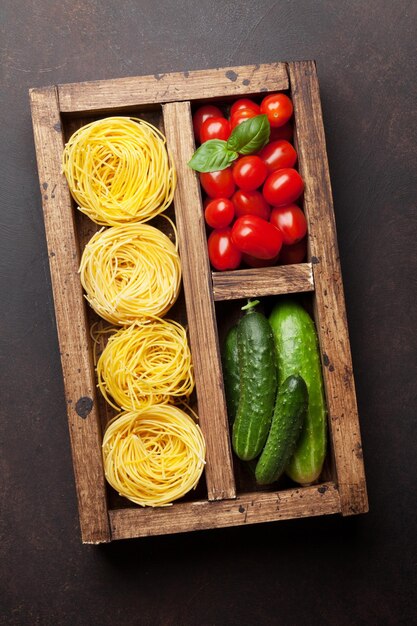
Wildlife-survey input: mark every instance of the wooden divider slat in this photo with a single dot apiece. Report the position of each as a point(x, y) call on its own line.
point(329, 303)
point(83, 418)
point(251, 283)
point(200, 305)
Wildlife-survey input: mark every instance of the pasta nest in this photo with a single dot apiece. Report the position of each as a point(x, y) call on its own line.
point(130, 272)
point(146, 363)
point(153, 456)
point(119, 171)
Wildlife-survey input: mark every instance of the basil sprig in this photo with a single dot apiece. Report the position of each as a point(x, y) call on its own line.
point(211, 156)
point(250, 136)
point(246, 138)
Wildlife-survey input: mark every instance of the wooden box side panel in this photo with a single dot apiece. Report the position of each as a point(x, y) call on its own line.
point(200, 305)
point(105, 95)
point(83, 418)
point(329, 304)
point(248, 508)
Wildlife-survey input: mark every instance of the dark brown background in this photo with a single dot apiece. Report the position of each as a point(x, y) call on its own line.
point(318, 571)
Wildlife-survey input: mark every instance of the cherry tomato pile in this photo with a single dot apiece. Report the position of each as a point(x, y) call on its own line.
point(251, 209)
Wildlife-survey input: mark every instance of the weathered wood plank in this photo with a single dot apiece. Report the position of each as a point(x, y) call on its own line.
point(249, 508)
point(105, 95)
point(251, 283)
point(329, 304)
point(83, 419)
point(200, 305)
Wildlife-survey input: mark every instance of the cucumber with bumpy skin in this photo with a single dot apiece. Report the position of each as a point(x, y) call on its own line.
point(298, 353)
point(289, 413)
point(258, 380)
point(230, 363)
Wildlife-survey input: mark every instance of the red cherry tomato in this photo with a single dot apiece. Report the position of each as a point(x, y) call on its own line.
point(278, 107)
point(254, 262)
point(223, 253)
point(291, 221)
point(241, 116)
point(201, 115)
point(219, 212)
point(251, 203)
point(278, 154)
point(218, 184)
point(215, 128)
point(282, 132)
point(293, 254)
point(254, 236)
point(249, 172)
point(244, 103)
point(283, 187)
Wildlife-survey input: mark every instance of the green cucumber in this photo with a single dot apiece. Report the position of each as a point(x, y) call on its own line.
point(289, 413)
point(258, 382)
point(298, 353)
point(231, 378)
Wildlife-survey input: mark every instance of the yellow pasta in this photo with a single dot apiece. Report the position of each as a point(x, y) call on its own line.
point(153, 456)
point(130, 272)
point(146, 363)
point(119, 171)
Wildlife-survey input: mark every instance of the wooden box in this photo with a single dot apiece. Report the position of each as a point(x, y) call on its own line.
point(226, 498)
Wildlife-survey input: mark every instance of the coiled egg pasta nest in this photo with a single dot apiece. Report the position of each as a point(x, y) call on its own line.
point(146, 363)
point(118, 170)
point(130, 272)
point(153, 456)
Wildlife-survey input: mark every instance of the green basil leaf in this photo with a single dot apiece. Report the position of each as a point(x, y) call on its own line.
point(211, 156)
point(250, 136)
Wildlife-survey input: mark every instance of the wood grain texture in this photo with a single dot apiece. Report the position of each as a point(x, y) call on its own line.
point(83, 419)
point(104, 95)
point(329, 304)
point(200, 305)
point(250, 283)
point(250, 508)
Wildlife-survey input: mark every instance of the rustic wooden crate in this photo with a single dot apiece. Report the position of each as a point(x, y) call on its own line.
point(228, 498)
